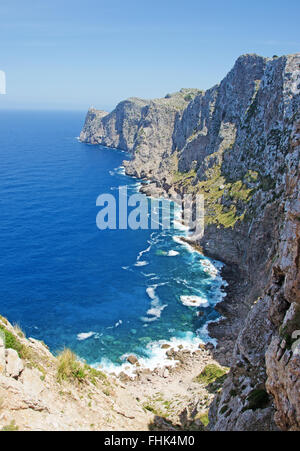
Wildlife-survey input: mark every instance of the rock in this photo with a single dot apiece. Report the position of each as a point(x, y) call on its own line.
point(31, 380)
point(166, 373)
point(2, 357)
point(165, 346)
point(14, 365)
point(132, 359)
point(209, 346)
point(124, 377)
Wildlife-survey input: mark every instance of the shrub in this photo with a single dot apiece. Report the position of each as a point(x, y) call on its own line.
point(11, 341)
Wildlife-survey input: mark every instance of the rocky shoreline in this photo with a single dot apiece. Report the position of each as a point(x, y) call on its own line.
point(38, 393)
point(237, 144)
point(232, 286)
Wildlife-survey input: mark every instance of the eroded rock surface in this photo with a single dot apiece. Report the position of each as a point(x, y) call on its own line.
point(238, 145)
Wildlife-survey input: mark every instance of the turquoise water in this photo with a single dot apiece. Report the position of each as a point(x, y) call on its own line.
point(102, 293)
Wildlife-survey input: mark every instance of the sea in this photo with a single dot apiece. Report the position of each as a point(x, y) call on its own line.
point(103, 293)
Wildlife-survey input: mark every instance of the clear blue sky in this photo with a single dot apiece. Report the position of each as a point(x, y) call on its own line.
point(69, 54)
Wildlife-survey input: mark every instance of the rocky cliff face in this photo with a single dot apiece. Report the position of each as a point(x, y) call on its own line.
point(238, 144)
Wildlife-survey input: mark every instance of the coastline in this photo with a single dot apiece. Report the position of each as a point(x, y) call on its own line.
point(223, 348)
point(171, 354)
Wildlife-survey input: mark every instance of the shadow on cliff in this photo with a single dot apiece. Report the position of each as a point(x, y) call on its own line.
point(186, 423)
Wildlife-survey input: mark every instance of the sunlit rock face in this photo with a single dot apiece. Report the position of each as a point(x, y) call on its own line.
point(238, 145)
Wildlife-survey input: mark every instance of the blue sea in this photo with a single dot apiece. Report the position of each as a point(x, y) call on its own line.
point(103, 293)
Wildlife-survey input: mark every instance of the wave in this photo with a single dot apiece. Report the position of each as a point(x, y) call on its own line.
point(172, 253)
point(194, 301)
point(156, 308)
point(156, 355)
point(141, 263)
point(85, 335)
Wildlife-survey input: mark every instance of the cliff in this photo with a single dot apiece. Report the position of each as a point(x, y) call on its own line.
point(238, 144)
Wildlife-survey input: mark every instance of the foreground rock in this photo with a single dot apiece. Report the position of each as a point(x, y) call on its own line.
point(32, 398)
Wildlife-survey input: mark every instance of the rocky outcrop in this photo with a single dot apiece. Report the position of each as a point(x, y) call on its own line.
point(32, 397)
point(238, 145)
point(137, 125)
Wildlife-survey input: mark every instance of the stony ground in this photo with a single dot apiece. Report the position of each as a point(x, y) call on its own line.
point(33, 398)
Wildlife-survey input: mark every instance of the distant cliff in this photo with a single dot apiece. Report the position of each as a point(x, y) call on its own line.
point(238, 144)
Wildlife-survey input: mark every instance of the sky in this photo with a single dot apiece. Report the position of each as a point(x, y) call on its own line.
point(72, 54)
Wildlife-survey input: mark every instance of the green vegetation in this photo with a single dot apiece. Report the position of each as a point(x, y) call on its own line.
point(12, 342)
point(19, 331)
point(204, 418)
point(150, 409)
point(4, 320)
point(72, 370)
point(184, 178)
point(188, 97)
point(213, 189)
point(10, 427)
point(212, 373)
point(251, 176)
point(68, 367)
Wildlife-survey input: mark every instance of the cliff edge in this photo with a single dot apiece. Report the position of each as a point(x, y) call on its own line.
point(238, 144)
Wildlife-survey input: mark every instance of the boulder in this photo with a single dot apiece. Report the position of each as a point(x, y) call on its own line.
point(166, 373)
point(2, 356)
point(14, 365)
point(165, 346)
point(132, 359)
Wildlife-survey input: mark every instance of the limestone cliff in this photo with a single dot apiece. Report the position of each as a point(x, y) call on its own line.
point(238, 144)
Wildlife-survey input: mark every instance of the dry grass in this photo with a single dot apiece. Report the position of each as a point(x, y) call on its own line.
point(68, 367)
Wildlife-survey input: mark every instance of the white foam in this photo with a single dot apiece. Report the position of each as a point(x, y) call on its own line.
point(84, 335)
point(209, 268)
point(172, 253)
point(180, 225)
point(157, 357)
point(141, 263)
point(178, 239)
point(156, 307)
point(194, 301)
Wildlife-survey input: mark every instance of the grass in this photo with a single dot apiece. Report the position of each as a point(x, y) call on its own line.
point(213, 189)
point(24, 352)
point(204, 418)
point(150, 409)
point(19, 331)
point(70, 369)
point(212, 373)
point(10, 427)
point(11, 342)
point(184, 178)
